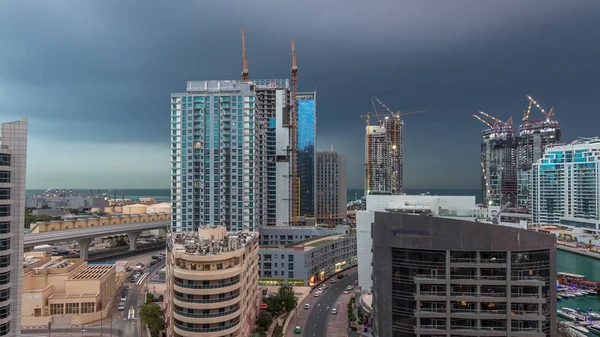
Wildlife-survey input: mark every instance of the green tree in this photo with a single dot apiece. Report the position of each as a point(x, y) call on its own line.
point(264, 320)
point(287, 298)
point(278, 331)
point(152, 315)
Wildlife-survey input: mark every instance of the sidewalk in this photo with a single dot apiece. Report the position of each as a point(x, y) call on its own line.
point(338, 324)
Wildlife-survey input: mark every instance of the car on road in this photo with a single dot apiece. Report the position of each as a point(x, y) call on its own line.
point(356, 282)
point(334, 311)
point(318, 293)
point(298, 329)
point(121, 306)
point(307, 306)
point(346, 291)
point(123, 298)
point(333, 281)
point(345, 274)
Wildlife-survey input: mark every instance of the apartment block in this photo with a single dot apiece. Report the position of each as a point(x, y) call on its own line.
point(447, 277)
point(307, 262)
point(216, 157)
point(384, 157)
point(212, 283)
point(565, 185)
point(13, 159)
point(331, 184)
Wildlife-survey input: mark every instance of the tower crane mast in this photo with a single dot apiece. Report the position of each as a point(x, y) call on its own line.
point(294, 179)
point(245, 73)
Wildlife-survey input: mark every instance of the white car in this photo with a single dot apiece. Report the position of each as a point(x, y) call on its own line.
point(334, 311)
point(317, 294)
point(307, 306)
point(123, 299)
point(121, 306)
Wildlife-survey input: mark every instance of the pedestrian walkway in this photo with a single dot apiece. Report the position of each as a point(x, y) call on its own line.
point(338, 324)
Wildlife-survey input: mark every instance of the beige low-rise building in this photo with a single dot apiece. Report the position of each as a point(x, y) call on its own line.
point(65, 291)
point(212, 283)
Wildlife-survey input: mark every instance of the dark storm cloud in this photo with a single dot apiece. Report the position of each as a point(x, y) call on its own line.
point(103, 70)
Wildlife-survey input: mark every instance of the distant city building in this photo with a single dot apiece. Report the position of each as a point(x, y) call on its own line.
point(13, 160)
point(212, 284)
point(384, 157)
point(216, 156)
point(68, 291)
point(445, 277)
point(307, 133)
point(565, 185)
point(534, 138)
point(273, 97)
point(305, 261)
point(331, 184)
point(499, 166)
point(66, 201)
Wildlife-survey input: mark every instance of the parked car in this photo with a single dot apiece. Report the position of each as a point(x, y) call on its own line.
point(334, 311)
point(333, 281)
point(298, 329)
point(121, 306)
point(356, 282)
point(307, 306)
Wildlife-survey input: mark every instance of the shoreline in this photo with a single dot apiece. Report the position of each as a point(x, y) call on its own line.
point(580, 251)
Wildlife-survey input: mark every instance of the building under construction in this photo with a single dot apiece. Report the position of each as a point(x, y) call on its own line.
point(384, 151)
point(506, 157)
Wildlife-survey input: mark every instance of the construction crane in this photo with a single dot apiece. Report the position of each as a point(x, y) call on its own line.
point(245, 73)
point(294, 179)
point(495, 122)
point(549, 114)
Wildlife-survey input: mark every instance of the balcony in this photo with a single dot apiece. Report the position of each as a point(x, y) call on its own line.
point(224, 330)
point(218, 314)
point(206, 286)
point(214, 318)
point(206, 301)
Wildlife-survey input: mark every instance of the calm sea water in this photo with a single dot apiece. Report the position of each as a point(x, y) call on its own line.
point(582, 265)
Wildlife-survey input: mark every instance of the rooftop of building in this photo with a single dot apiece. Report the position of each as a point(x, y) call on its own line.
point(311, 243)
point(210, 240)
point(94, 272)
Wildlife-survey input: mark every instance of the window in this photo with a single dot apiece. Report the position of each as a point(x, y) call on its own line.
point(88, 307)
point(290, 274)
point(4, 295)
point(4, 176)
point(4, 193)
point(4, 311)
point(4, 210)
point(5, 277)
point(72, 308)
point(4, 227)
point(4, 328)
point(4, 262)
point(57, 309)
point(4, 159)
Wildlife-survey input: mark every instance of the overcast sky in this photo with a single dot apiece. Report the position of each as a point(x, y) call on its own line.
point(95, 77)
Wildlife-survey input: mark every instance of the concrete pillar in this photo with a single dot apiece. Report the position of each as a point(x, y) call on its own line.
point(84, 245)
point(133, 240)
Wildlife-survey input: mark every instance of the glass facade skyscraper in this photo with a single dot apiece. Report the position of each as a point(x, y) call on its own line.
point(307, 132)
point(215, 156)
point(565, 183)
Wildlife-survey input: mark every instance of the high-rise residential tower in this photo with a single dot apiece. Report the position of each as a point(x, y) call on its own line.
point(498, 166)
point(565, 185)
point(13, 159)
point(273, 98)
point(384, 157)
point(307, 133)
point(331, 183)
point(215, 156)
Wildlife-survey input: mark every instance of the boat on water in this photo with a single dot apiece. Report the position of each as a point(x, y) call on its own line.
point(595, 328)
point(578, 316)
point(589, 312)
point(566, 315)
point(579, 328)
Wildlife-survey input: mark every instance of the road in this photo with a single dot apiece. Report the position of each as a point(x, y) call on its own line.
point(72, 331)
point(315, 324)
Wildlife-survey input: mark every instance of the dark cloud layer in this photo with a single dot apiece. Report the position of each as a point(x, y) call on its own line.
point(102, 71)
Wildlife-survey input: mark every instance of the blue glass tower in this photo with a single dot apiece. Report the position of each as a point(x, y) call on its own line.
point(307, 133)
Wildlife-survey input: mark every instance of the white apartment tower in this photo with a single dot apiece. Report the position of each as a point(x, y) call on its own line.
point(13, 159)
point(215, 156)
point(331, 183)
point(565, 185)
point(384, 157)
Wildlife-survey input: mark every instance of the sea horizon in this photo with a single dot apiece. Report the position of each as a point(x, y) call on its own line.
point(164, 195)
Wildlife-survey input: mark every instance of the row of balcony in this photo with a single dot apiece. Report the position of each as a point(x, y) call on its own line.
point(218, 314)
point(215, 329)
point(210, 300)
point(480, 277)
point(480, 311)
point(206, 286)
point(470, 328)
point(475, 294)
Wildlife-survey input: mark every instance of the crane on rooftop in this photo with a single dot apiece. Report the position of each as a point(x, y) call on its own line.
point(245, 73)
point(294, 179)
point(493, 122)
point(549, 114)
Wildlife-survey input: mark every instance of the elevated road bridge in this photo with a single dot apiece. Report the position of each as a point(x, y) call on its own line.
point(84, 236)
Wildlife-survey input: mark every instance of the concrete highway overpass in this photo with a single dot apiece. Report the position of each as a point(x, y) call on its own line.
point(84, 236)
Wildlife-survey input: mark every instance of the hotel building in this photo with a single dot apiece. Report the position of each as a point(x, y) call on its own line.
point(307, 134)
point(331, 184)
point(212, 283)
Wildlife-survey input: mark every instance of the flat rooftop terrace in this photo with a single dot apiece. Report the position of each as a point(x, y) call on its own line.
point(94, 272)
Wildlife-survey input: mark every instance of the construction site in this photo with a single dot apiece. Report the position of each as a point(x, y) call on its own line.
point(507, 156)
point(384, 152)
